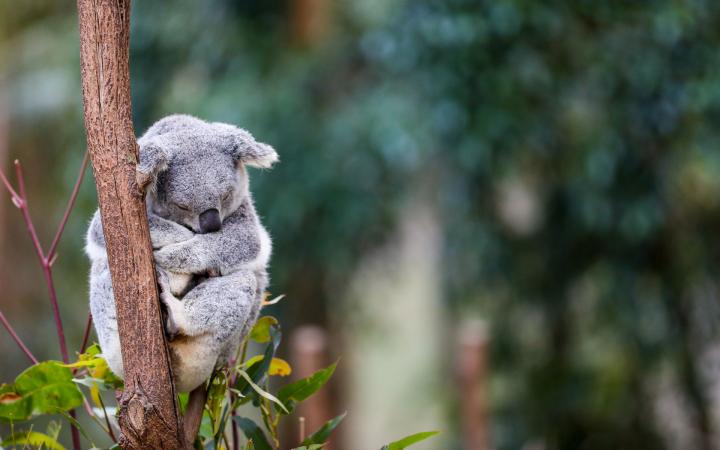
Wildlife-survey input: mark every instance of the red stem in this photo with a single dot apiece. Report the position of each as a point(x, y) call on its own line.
point(235, 439)
point(5, 181)
point(17, 339)
point(68, 209)
point(26, 213)
point(86, 333)
point(44, 263)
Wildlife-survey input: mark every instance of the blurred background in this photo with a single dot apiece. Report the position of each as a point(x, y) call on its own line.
point(500, 215)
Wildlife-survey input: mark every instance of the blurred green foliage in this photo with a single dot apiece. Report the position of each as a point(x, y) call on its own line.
point(570, 148)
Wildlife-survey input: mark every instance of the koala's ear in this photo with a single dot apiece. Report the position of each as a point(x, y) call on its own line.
point(153, 160)
point(247, 150)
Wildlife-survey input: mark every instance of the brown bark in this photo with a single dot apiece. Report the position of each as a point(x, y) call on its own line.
point(149, 416)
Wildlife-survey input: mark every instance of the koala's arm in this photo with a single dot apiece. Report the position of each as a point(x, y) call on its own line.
point(242, 243)
point(162, 232)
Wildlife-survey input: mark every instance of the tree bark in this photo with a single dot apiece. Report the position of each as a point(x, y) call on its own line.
point(149, 416)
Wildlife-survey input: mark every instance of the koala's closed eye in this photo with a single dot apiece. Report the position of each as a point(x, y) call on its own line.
point(183, 207)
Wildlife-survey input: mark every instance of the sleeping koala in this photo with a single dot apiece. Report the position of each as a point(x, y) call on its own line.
point(211, 251)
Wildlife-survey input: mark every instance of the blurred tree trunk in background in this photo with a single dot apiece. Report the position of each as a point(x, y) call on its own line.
point(309, 20)
point(393, 326)
point(149, 415)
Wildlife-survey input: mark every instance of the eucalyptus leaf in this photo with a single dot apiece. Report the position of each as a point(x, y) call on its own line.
point(322, 435)
point(261, 331)
point(32, 439)
point(409, 440)
point(252, 431)
point(300, 390)
point(44, 388)
point(259, 370)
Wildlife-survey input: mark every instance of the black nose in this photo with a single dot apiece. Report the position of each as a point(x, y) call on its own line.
point(210, 221)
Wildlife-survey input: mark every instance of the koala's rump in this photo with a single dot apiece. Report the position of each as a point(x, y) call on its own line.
point(192, 362)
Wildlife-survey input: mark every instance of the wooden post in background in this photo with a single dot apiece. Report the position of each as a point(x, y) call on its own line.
point(309, 353)
point(148, 416)
point(471, 370)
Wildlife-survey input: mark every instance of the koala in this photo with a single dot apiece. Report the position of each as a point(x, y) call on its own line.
point(210, 249)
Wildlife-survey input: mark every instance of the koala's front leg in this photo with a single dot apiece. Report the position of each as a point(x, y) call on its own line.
point(164, 232)
point(191, 256)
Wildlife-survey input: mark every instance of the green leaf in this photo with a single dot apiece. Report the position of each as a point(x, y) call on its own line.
point(310, 447)
point(252, 431)
point(322, 435)
point(298, 391)
point(260, 391)
point(33, 439)
point(261, 331)
point(259, 370)
point(409, 440)
point(44, 388)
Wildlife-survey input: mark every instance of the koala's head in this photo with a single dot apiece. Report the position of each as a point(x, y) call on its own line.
point(194, 171)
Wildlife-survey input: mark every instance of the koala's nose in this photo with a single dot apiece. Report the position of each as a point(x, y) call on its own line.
point(210, 221)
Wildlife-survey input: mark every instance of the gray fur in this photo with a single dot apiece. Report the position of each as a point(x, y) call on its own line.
point(191, 166)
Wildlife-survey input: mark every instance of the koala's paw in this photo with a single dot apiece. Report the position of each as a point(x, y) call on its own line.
point(163, 232)
point(162, 278)
point(180, 258)
point(176, 322)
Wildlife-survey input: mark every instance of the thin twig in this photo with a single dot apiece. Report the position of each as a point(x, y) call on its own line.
point(17, 339)
point(26, 213)
point(235, 437)
point(68, 209)
point(9, 187)
point(107, 419)
point(86, 333)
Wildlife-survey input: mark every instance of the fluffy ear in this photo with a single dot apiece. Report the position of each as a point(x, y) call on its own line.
point(153, 160)
point(251, 152)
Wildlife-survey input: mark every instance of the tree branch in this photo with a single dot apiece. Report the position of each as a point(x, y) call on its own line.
point(17, 339)
point(149, 416)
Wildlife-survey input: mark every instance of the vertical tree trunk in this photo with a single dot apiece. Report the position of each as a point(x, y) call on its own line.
point(149, 416)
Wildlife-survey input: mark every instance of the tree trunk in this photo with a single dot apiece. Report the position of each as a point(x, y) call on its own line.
point(149, 416)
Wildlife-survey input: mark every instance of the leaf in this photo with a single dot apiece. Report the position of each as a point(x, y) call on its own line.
point(279, 367)
point(33, 439)
point(298, 391)
point(44, 388)
point(266, 302)
point(252, 361)
point(322, 435)
point(258, 371)
point(261, 331)
point(310, 447)
point(409, 440)
point(253, 432)
point(261, 392)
